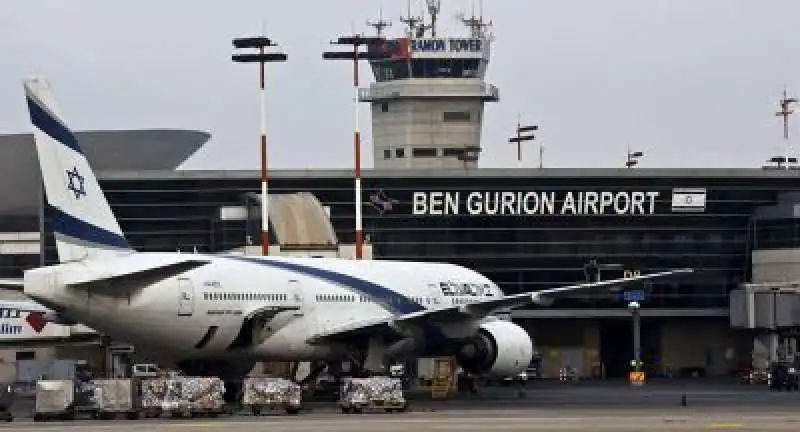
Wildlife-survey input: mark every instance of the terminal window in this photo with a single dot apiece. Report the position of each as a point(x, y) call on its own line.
point(387, 154)
point(401, 153)
point(452, 152)
point(456, 116)
point(422, 152)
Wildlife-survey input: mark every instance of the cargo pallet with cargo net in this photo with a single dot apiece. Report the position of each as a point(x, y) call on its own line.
point(369, 394)
point(262, 394)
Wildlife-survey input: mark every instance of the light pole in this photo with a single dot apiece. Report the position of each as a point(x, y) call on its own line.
point(260, 42)
point(357, 41)
point(785, 111)
point(637, 355)
point(633, 157)
point(519, 139)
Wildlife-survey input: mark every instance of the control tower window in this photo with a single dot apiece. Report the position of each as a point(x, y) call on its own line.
point(445, 68)
point(456, 116)
point(421, 152)
point(391, 70)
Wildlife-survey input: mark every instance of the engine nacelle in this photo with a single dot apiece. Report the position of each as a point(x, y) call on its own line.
point(499, 349)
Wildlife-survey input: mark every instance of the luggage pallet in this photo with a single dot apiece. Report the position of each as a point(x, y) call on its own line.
point(257, 409)
point(359, 407)
point(68, 413)
point(113, 415)
point(185, 413)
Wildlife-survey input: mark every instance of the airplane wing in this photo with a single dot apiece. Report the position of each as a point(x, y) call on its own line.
point(479, 309)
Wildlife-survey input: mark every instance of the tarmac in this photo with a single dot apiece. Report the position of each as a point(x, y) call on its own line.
point(542, 406)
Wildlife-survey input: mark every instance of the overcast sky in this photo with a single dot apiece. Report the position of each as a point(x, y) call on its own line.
point(692, 83)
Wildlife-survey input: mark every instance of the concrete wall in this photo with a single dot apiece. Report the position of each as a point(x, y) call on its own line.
point(8, 360)
point(574, 343)
point(776, 265)
point(689, 343)
point(415, 118)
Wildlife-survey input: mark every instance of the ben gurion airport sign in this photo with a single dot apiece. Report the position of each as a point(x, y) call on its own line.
point(552, 203)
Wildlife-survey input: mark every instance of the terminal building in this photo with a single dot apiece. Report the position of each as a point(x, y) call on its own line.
point(427, 199)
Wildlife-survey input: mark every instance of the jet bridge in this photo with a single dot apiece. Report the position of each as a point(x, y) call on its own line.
point(771, 311)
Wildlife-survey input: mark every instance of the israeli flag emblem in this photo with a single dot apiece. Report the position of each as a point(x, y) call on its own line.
point(688, 199)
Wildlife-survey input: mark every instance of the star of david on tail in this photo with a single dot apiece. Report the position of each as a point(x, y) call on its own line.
point(76, 183)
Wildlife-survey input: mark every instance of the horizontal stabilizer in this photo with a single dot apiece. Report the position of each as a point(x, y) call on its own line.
point(138, 274)
point(12, 284)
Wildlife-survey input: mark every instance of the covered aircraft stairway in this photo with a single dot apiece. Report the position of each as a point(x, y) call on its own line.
point(299, 225)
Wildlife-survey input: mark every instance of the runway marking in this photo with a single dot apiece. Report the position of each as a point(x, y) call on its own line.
point(725, 425)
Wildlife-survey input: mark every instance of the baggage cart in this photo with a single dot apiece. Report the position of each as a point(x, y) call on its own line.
point(63, 400)
point(375, 393)
point(115, 398)
point(262, 394)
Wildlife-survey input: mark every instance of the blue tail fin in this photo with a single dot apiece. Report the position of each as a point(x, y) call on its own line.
point(82, 221)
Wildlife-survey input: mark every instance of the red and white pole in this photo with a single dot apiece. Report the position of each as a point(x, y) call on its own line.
point(357, 149)
point(264, 188)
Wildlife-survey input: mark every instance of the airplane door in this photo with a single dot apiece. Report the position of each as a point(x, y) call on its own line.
point(186, 299)
point(295, 299)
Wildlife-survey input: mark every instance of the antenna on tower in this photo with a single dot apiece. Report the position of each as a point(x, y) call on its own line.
point(475, 25)
point(434, 6)
point(412, 22)
point(380, 24)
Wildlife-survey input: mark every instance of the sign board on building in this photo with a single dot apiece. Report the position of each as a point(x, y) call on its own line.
point(449, 48)
point(30, 326)
point(555, 203)
point(535, 203)
point(633, 296)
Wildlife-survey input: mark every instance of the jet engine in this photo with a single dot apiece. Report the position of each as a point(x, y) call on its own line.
point(499, 349)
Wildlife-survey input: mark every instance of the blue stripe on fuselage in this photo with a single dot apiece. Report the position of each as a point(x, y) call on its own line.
point(385, 296)
point(73, 227)
point(45, 122)
point(435, 340)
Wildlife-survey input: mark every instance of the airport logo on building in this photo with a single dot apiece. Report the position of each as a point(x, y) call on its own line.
point(381, 202)
point(688, 200)
point(535, 203)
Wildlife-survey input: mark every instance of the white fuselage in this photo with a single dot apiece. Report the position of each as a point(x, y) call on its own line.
point(200, 313)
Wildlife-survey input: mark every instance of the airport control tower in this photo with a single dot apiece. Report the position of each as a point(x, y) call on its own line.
point(427, 101)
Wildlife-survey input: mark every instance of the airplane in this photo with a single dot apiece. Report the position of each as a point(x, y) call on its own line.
point(217, 315)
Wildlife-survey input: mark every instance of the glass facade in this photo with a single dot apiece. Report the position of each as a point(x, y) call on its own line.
point(484, 223)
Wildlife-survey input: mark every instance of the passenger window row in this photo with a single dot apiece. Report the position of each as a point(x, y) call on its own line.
point(216, 296)
point(344, 298)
